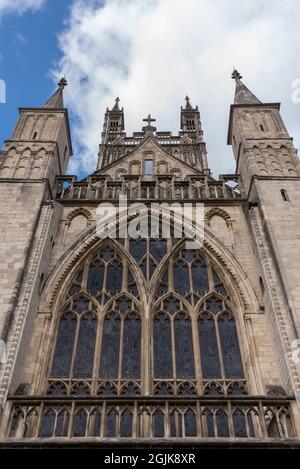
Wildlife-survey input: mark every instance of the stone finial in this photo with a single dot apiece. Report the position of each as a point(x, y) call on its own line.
point(236, 75)
point(116, 105)
point(62, 82)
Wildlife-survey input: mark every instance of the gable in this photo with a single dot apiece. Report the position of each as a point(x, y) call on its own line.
point(163, 163)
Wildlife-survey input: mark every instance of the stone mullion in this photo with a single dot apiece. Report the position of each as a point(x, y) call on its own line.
point(147, 352)
point(219, 347)
point(173, 344)
point(97, 355)
point(197, 355)
point(71, 374)
point(121, 349)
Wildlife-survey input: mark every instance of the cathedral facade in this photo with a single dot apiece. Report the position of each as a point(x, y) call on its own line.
point(143, 340)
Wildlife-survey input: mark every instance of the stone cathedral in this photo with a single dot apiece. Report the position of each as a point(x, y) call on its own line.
point(143, 341)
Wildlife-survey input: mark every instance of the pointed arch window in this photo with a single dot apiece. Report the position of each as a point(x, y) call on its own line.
point(195, 338)
point(99, 333)
point(173, 346)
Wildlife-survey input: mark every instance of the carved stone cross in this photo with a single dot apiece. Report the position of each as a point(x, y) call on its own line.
point(149, 120)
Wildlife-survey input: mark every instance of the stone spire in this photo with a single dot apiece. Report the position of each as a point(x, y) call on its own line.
point(116, 105)
point(242, 94)
point(188, 105)
point(56, 101)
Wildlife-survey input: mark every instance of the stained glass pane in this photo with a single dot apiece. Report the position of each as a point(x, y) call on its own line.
point(109, 361)
point(181, 278)
point(190, 423)
point(111, 423)
point(114, 277)
point(95, 278)
point(64, 347)
point(239, 424)
point(209, 349)
point(158, 248)
point(162, 348)
point(184, 349)
point(80, 422)
point(86, 347)
point(126, 424)
point(159, 424)
point(138, 248)
point(132, 349)
point(200, 279)
point(48, 423)
point(222, 424)
point(230, 347)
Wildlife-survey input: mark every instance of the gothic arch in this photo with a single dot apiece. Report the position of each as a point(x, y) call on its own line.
point(79, 211)
point(220, 213)
point(88, 239)
point(220, 258)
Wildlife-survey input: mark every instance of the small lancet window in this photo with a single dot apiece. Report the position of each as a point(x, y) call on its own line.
point(262, 128)
point(284, 195)
point(34, 136)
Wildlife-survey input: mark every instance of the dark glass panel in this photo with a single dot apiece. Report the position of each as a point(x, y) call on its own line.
point(208, 348)
point(162, 348)
point(222, 424)
point(190, 423)
point(130, 389)
point(172, 305)
point(200, 279)
point(80, 423)
point(250, 425)
point(126, 424)
point(132, 349)
point(181, 278)
point(57, 389)
point(176, 424)
point(143, 268)
point(107, 254)
point(109, 361)
point(107, 389)
point(159, 424)
point(158, 248)
point(239, 424)
point(97, 423)
point(214, 305)
point(48, 423)
point(111, 423)
point(210, 424)
point(95, 278)
point(230, 347)
point(152, 268)
point(64, 346)
point(86, 347)
point(74, 289)
point(114, 277)
point(80, 389)
point(138, 248)
point(184, 348)
point(62, 424)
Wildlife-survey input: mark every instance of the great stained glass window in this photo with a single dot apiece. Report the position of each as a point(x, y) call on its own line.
point(102, 332)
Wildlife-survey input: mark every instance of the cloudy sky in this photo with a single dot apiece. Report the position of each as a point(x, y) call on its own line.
point(150, 53)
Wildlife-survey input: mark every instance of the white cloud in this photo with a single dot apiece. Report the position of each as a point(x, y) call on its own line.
point(151, 53)
point(19, 6)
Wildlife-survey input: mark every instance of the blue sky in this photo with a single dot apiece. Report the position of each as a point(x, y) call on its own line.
point(151, 55)
point(29, 49)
